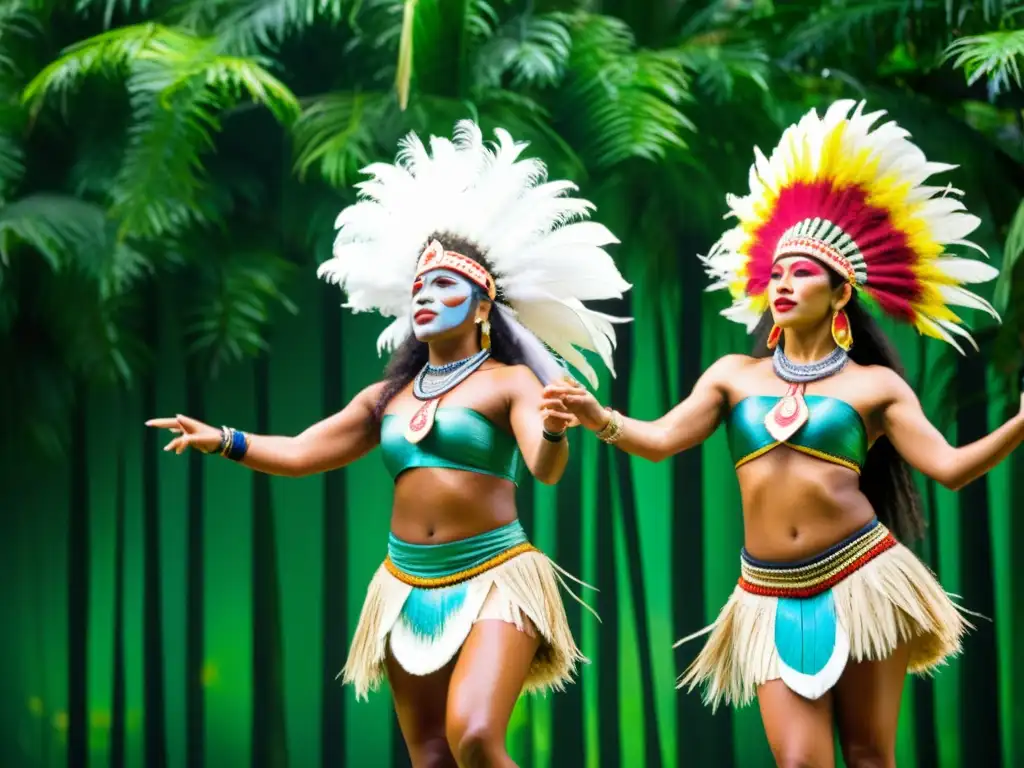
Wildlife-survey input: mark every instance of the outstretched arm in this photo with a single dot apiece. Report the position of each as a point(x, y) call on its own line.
point(925, 448)
point(688, 424)
point(334, 442)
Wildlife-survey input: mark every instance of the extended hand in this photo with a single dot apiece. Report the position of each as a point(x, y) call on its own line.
point(576, 400)
point(190, 433)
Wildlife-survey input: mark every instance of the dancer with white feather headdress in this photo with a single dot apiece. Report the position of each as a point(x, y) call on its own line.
point(831, 610)
point(485, 266)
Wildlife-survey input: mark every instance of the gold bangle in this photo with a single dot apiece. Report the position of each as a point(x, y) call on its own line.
point(611, 431)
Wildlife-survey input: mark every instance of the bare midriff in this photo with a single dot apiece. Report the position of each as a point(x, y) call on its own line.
point(433, 506)
point(796, 506)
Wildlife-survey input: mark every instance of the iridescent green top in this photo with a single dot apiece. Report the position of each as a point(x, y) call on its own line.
point(834, 431)
point(460, 438)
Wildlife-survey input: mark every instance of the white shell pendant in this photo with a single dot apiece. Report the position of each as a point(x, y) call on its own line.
point(788, 415)
point(421, 421)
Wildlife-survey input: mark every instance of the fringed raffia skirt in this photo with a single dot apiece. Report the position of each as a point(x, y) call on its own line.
point(802, 622)
point(425, 598)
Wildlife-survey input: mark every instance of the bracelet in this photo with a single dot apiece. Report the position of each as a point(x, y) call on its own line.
point(611, 431)
point(554, 437)
point(234, 444)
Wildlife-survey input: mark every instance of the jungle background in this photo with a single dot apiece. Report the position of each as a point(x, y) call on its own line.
point(169, 175)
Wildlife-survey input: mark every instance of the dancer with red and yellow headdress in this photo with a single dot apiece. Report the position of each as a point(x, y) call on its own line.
point(831, 609)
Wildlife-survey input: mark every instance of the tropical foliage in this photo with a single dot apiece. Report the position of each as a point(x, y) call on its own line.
point(178, 164)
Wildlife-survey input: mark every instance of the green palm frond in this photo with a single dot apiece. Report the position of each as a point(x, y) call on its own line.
point(254, 24)
point(337, 135)
point(63, 230)
point(534, 49)
point(109, 7)
point(995, 55)
point(110, 54)
point(835, 23)
point(17, 22)
point(179, 85)
point(717, 60)
point(623, 102)
point(233, 302)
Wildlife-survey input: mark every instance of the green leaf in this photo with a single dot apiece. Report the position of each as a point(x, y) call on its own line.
point(717, 60)
point(996, 56)
point(232, 300)
point(621, 101)
point(535, 50)
point(61, 229)
point(179, 85)
point(336, 135)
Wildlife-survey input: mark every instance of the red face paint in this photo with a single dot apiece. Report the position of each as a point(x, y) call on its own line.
point(454, 301)
point(806, 268)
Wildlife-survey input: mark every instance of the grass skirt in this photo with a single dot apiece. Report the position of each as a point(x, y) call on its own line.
point(424, 622)
point(875, 591)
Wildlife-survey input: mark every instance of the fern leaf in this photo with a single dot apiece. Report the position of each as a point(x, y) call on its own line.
point(995, 55)
point(336, 135)
point(63, 230)
point(624, 102)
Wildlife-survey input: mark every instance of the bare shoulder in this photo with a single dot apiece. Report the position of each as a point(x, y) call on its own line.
point(516, 376)
point(882, 380)
point(371, 394)
point(728, 366)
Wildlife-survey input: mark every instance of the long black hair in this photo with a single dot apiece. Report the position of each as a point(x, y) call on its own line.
point(885, 479)
point(411, 355)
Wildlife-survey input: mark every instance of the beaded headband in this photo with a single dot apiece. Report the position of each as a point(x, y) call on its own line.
point(435, 257)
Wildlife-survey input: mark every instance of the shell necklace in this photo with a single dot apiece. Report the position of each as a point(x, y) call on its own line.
point(791, 412)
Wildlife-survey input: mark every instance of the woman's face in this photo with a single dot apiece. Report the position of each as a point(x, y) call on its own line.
point(443, 302)
point(800, 292)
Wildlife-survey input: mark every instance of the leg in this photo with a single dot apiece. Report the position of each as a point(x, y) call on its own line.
point(868, 707)
point(799, 730)
point(485, 685)
point(419, 704)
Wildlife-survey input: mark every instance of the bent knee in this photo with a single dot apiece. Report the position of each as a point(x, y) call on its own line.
point(477, 744)
point(431, 752)
point(860, 754)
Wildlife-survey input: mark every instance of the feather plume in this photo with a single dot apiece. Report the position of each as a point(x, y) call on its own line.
point(547, 258)
point(858, 187)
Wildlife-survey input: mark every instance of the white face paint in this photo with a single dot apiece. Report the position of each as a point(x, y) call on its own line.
point(441, 300)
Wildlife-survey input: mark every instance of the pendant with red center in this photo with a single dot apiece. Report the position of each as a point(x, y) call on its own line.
point(788, 415)
point(422, 421)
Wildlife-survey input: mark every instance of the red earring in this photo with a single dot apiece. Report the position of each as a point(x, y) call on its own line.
point(774, 336)
point(841, 332)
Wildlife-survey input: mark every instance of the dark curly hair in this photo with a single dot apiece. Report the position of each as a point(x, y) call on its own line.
point(411, 355)
point(886, 478)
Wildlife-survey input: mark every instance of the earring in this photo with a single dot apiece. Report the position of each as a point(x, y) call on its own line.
point(841, 332)
point(774, 336)
point(485, 332)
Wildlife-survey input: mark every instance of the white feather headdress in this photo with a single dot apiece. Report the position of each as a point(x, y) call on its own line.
point(545, 258)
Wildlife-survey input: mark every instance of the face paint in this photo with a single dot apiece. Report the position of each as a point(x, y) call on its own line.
point(441, 300)
point(800, 292)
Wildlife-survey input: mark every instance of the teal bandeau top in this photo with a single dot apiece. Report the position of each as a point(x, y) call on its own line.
point(834, 431)
point(461, 438)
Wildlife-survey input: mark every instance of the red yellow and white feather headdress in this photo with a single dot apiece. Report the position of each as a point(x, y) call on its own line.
point(854, 197)
point(545, 259)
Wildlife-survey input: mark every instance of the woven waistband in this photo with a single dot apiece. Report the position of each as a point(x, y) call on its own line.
point(813, 576)
point(441, 565)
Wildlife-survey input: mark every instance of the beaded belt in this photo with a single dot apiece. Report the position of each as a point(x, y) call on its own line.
point(441, 565)
point(815, 575)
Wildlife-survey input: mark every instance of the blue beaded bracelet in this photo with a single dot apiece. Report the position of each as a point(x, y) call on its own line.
point(237, 445)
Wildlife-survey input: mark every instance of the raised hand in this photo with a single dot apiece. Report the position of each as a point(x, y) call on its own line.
point(576, 400)
point(190, 433)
